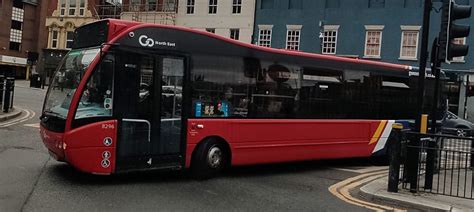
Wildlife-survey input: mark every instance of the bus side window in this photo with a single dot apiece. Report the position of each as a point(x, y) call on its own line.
point(222, 86)
point(96, 98)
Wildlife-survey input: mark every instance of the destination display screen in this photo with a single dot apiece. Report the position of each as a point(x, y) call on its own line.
point(94, 34)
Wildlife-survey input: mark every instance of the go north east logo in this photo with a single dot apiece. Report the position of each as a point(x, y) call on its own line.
point(145, 41)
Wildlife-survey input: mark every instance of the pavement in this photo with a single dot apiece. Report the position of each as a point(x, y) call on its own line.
point(15, 112)
point(376, 191)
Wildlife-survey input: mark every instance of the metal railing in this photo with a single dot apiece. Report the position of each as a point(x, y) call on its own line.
point(434, 163)
point(116, 11)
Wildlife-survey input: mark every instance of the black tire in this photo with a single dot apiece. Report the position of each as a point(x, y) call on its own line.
point(209, 159)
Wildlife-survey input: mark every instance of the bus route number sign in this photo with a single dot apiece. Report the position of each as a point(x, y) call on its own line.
point(108, 126)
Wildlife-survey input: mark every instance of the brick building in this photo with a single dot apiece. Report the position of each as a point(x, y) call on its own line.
point(22, 36)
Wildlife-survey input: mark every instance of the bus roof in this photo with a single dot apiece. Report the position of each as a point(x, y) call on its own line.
point(119, 28)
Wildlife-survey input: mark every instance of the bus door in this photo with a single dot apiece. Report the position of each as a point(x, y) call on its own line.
point(149, 102)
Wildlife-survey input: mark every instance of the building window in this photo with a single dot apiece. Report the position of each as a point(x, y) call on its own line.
point(170, 6)
point(72, 7)
point(17, 14)
point(151, 5)
point(69, 39)
point(134, 5)
point(234, 34)
point(236, 6)
point(460, 41)
point(293, 37)
point(265, 35)
point(409, 42)
point(190, 7)
point(82, 7)
point(15, 37)
point(212, 6)
point(54, 39)
point(267, 4)
point(15, 46)
point(373, 41)
point(62, 8)
point(211, 30)
point(329, 39)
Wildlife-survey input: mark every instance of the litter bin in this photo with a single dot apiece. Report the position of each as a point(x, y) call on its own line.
point(35, 81)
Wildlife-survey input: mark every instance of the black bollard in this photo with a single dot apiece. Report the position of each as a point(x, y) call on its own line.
point(472, 150)
point(12, 90)
point(8, 94)
point(2, 88)
point(395, 147)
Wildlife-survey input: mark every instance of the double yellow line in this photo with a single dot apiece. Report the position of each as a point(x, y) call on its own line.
point(342, 190)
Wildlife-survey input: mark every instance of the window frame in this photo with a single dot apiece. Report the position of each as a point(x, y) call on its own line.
point(409, 29)
point(55, 39)
point(236, 6)
point(262, 28)
point(293, 44)
point(213, 6)
point(62, 8)
point(190, 4)
point(69, 39)
point(327, 29)
point(234, 33)
point(371, 29)
point(82, 7)
point(72, 8)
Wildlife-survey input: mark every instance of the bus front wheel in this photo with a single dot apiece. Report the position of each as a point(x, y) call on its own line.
point(209, 159)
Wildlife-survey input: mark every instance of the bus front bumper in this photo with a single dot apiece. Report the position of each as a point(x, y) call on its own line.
point(54, 142)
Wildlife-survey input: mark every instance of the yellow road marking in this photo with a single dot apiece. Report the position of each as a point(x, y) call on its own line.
point(341, 191)
point(378, 132)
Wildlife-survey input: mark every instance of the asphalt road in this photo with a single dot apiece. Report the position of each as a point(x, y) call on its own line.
point(31, 181)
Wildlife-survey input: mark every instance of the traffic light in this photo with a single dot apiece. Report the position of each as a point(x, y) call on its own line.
point(450, 30)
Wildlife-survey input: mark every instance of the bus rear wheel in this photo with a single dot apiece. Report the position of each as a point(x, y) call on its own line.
point(209, 159)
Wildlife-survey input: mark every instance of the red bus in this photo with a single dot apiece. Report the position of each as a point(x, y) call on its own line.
point(135, 96)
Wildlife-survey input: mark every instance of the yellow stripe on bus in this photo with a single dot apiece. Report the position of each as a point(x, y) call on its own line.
point(378, 132)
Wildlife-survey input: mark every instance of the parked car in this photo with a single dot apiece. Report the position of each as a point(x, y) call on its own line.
point(454, 125)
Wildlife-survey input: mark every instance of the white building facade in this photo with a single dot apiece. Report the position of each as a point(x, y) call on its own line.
point(229, 18)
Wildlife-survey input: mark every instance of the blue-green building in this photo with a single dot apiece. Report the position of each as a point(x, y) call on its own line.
point(382, 30)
